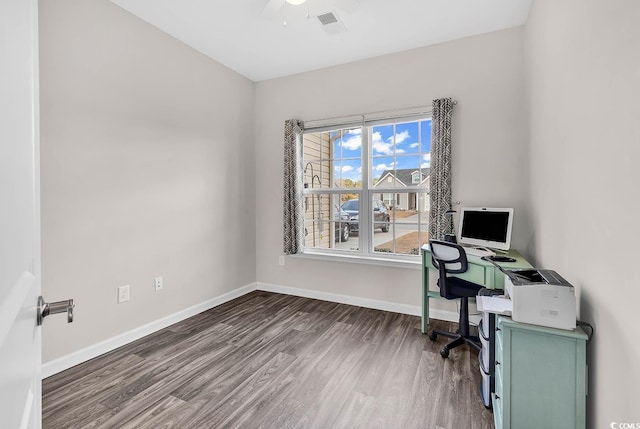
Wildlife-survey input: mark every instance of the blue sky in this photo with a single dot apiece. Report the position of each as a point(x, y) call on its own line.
point(401, 146)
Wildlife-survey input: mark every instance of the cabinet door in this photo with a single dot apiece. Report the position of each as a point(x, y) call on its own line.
point(546, 378)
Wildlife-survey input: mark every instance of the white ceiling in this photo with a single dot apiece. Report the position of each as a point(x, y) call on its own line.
point(252, 40)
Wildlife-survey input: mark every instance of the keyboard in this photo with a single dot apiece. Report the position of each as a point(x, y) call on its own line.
point(478, 251)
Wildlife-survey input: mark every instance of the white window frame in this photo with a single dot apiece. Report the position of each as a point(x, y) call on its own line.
point(365, 252)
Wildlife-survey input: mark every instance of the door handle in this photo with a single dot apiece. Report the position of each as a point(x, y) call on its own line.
point(47, 308)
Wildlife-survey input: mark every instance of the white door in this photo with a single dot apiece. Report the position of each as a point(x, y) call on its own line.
point(20, 384)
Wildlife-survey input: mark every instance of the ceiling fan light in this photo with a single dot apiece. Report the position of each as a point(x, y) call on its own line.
point(296, 2)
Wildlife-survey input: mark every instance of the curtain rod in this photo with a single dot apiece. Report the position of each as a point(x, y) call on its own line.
point(385, 114)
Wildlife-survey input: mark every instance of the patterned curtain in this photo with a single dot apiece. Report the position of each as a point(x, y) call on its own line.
point(440, 181)
point(293, 200)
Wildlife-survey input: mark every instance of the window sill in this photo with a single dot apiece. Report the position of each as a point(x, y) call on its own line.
point(361, 259)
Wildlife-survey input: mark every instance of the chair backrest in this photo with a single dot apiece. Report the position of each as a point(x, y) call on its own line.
point(448, 258)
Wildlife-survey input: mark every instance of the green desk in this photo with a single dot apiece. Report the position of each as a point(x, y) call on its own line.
point(481, 272)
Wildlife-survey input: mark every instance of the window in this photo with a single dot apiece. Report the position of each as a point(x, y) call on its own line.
point(366, 188)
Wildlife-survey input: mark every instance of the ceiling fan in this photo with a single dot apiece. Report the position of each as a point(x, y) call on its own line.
point(274, 7)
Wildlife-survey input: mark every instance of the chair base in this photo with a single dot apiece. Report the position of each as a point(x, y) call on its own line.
point(462, 336)
point(458, 340)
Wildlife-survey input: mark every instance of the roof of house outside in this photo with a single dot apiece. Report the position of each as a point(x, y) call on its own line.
point(405, 175)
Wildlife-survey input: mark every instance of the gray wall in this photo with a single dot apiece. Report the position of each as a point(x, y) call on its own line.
point(147, 170)
point(483, 73)
point(583, 86)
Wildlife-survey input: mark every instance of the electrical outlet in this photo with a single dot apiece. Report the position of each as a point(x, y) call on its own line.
point(123, 294)
point(158, 283)
point(281, 260)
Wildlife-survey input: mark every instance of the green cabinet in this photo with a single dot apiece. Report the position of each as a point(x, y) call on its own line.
point(540, 376)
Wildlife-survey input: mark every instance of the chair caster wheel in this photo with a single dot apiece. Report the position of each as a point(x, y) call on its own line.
point(444, 352)
point(433, 336)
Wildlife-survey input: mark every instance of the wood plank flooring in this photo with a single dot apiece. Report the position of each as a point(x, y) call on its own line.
point(267, 360)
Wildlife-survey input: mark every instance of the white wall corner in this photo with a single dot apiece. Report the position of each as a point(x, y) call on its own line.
point(65, 362)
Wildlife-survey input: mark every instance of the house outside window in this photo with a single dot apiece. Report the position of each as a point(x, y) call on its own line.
point(366, 188)
point(388, 198)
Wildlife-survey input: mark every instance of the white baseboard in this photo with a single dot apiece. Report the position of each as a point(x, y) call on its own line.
point(342, 299)
point(65, 362)
point(414, 310)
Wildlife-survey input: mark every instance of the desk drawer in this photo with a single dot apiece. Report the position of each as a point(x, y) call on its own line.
point(480, 274)
point(475, 274)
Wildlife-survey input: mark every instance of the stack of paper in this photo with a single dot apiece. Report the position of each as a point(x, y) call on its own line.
point(497, 304)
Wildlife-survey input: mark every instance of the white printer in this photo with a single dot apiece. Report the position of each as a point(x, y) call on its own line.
point(541, 297)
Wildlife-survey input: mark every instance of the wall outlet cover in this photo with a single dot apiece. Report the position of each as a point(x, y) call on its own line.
point(123, 294)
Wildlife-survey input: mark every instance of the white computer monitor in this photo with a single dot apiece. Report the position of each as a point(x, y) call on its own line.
point(485, 227)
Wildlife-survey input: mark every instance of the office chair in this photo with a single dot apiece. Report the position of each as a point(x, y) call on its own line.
point(450, 258)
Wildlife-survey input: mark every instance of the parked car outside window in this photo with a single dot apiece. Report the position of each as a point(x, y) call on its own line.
point(341, 219)
point(381, 215)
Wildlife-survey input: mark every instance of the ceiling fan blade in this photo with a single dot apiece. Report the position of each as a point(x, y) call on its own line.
point(273, 8)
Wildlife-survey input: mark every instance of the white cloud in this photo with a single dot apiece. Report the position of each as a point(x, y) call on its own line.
point(414, 145)
point(352, 143)
point(382, 147)
point(344, 169)
point(376, 136)
point(427, 160)
point(400, 137)
point(382, 167)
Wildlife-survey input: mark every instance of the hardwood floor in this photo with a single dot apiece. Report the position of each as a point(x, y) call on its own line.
point(267, 360)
